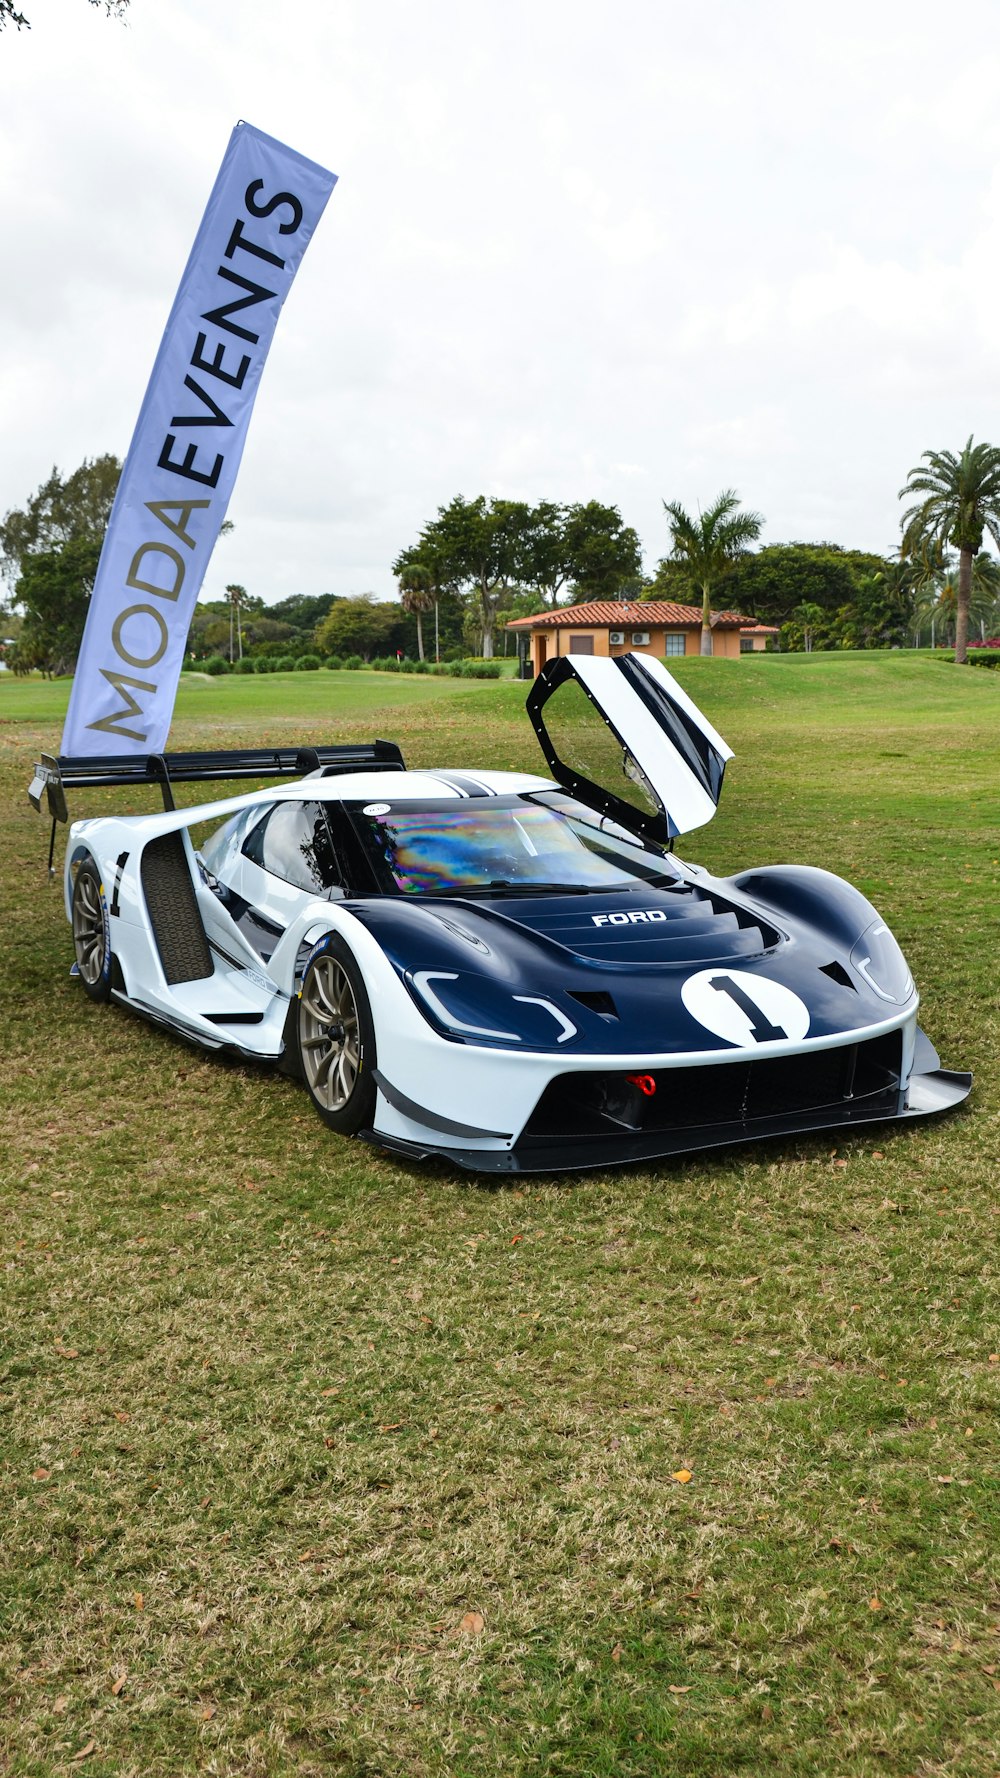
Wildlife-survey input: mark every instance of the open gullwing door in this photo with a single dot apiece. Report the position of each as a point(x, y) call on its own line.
point(620, 735)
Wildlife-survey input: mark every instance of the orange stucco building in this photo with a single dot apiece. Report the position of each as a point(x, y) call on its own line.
point(605, 626)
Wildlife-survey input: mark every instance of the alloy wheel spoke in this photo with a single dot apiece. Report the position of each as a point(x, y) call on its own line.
point(329, 1035)
point(326, 992)
point(314, 1006)
point(324, 1066)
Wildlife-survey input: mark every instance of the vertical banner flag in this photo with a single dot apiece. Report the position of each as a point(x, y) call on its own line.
point(187, 445)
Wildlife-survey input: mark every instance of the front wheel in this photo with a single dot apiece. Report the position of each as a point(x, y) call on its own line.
point(92, 932)
point(336, 1039)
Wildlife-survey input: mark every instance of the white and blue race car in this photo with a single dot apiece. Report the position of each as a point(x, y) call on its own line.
point(512, 973)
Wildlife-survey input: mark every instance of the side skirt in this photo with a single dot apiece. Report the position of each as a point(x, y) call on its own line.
point(190, 1034)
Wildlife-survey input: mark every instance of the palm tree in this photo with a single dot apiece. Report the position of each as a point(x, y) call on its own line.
point(709, 545)
point(926, 614)
point(236, 595)
point(937, 603)
point(418, 594)
point(961, 501)
point(982, 595)
point(810, 616)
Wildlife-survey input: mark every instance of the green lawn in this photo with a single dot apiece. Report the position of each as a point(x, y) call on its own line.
point(238, 699)
point(313, 1462)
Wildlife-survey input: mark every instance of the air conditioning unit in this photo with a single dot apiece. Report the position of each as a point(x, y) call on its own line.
point(616, 636)
point(640, 638)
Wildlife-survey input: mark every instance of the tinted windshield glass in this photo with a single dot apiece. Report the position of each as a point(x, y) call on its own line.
point(504, 844)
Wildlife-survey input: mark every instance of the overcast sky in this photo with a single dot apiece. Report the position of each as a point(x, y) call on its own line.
point(620, 251)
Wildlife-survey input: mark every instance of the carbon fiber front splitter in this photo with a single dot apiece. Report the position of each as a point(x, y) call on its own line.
point(936, 1091)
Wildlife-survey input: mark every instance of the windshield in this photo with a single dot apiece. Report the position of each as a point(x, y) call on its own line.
point(520, 845)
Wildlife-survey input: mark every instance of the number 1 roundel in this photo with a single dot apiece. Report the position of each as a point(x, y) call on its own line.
point(745, 1009)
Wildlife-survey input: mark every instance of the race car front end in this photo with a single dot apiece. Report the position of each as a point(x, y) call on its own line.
point(514, 1051)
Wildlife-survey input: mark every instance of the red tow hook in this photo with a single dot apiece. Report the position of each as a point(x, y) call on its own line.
point(645, 1083)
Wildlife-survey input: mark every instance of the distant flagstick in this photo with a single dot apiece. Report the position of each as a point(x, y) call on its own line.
point(186, 449)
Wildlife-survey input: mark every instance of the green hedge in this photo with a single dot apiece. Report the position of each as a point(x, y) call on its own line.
point(978, 656)
point(468, 669)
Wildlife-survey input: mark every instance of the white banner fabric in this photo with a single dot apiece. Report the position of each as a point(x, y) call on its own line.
point(187, 445)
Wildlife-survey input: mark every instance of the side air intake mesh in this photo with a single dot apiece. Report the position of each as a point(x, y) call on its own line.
point(173, 911)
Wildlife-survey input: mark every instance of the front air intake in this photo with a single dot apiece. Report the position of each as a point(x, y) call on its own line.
point(860, 1077)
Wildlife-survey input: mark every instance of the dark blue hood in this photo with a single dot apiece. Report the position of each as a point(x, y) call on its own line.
point(618, 975)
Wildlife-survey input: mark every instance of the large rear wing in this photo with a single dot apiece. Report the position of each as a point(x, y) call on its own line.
point(53, 776)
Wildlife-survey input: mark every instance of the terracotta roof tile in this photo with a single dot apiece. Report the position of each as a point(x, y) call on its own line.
point(633, 615)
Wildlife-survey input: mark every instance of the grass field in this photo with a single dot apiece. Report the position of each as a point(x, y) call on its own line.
point(313, 1462)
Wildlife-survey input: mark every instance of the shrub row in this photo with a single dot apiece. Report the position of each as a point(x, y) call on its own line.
point(981, 654)
point(389, 664)
point(462, 669)
point(217, 663)
point(469, 669)
point(308, 663)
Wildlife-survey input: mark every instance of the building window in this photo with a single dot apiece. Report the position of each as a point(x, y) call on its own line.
point(675, 644)
point(581, 645)
point(640, 638)
point(616, 636)
point(746, 645)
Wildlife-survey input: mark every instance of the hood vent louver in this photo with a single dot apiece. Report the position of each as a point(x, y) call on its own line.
point(685, 924)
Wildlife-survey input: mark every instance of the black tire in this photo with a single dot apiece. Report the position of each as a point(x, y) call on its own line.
point(92, 932)
point(336, 1039)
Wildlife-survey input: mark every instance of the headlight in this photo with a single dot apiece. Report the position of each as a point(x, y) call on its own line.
point(879, 960)
point(480, 1011)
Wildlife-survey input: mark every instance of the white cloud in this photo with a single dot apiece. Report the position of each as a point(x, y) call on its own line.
point(576, 251)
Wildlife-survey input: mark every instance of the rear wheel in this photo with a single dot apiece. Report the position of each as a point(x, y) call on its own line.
point(336, 1040)
point(91, 932)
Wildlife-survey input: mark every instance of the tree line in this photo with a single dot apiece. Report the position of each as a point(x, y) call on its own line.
point(496, 554)
point(477, 564)
point(481, 562)
point(941, 581)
